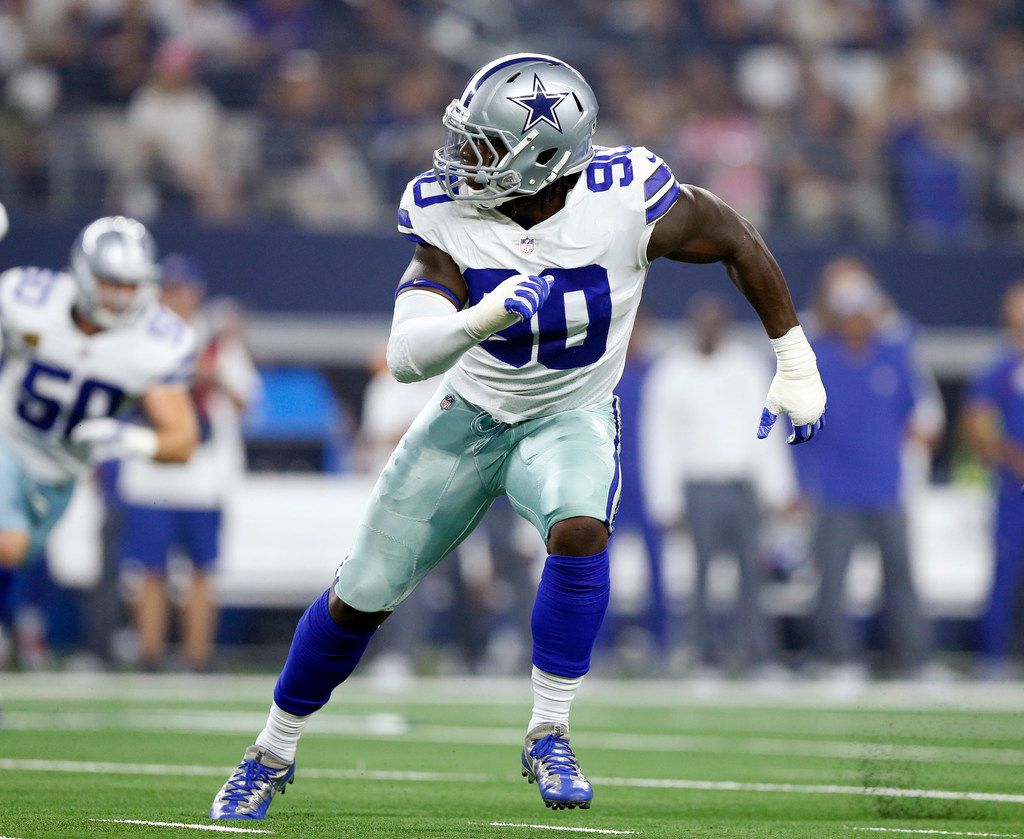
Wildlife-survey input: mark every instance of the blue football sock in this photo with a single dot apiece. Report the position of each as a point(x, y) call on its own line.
point(321, 657)
point(571, 602)
point(6, 595)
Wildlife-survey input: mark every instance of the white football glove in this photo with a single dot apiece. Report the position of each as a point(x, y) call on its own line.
point(109, 439)
point(796, 389)
point(515, 299)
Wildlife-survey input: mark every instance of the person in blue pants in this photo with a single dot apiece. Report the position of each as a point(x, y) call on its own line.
point(994, 424)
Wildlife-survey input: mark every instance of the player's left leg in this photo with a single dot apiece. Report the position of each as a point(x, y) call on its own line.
point(564, 478)
point(200, 533)
point(146, 537)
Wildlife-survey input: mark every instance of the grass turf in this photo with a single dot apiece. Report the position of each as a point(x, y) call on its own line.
point(356, 761)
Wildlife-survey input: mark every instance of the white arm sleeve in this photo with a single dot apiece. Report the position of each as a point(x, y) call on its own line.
point(427, 336)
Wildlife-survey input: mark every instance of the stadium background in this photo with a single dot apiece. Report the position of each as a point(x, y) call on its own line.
point(890, 130)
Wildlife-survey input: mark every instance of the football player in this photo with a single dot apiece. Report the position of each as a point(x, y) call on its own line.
point(81, 348)
point(532, 246)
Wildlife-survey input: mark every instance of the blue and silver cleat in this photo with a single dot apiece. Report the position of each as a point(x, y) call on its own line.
point(548, 760)
point(249, 790)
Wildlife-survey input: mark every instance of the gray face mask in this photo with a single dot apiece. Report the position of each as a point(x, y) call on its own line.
point(120, 251)
point(522, 122)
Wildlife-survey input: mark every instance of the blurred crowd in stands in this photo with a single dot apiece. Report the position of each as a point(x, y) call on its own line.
point(880, 118)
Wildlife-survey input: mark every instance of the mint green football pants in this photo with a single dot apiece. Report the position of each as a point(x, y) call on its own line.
point(449, 467)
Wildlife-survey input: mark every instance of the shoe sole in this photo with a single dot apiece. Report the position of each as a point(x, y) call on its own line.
point(556, 805)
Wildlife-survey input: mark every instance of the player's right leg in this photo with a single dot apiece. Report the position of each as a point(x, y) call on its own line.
point(28, 512)
point(200, 532)
point(15, 512)
point(428, 498)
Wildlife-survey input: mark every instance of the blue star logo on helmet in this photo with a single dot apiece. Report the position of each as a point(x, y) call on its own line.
point(541, 104)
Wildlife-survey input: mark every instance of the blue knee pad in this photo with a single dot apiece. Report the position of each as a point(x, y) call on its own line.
point(567, 614)
point(321, 657)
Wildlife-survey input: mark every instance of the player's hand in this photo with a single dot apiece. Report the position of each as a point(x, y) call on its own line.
point(527, 295)
point(108, 439)
point(796, 390)
point(516, 299)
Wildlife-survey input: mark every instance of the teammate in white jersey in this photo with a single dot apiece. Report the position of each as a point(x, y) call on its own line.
point(531, 251)
point(81, 348)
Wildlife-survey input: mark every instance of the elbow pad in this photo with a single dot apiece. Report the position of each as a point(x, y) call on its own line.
point(399, 360)
point(427, 336)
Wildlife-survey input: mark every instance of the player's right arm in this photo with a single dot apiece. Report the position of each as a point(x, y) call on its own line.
point(432, 327)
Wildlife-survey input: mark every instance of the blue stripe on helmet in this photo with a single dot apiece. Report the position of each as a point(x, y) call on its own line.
point(468, 97)
point(658, 179)
point(656, 211)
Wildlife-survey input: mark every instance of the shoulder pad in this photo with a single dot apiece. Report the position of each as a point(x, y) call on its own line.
point(644, 180)
point(171, 346)
point(417, 213)
point(660, 187)
point(26, 292)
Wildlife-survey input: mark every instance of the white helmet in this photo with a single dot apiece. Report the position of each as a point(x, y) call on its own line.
point(119, 250)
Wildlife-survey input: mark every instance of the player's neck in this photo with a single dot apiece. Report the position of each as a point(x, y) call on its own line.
point(533, 209)
point(84, 324)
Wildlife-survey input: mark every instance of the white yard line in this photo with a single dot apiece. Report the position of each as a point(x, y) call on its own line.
point(111, 768)
point(959, 698)
point(216, 828)
point(91, 767)
point(811, 789)
point(396, 727)
point(606, 832)
point(930, 832)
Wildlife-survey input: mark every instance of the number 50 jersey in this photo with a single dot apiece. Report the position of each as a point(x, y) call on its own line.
point(55, 376)
point(571, 354)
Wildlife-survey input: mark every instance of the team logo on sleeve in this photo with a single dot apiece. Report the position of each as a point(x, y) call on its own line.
point(541, 104)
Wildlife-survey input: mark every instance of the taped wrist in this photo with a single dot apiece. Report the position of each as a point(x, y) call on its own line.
point(489, 316)
point(795, 357)
point(141, 442)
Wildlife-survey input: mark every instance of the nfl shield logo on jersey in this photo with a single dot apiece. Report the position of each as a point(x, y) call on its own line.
point(526, 244)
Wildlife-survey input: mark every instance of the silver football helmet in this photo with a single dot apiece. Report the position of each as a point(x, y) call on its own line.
point(523, 121)
point(117, 250)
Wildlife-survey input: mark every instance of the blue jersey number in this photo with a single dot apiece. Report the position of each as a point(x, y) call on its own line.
point(95, 399)
point(574, 290)
point(610, 168)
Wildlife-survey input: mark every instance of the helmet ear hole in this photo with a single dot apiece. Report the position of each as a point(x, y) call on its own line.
point(545, 156)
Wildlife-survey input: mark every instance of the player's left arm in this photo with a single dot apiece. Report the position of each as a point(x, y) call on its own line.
point(701, 228)
point(172, 419)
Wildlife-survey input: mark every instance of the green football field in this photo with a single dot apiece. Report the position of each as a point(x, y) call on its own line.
point(101, 756)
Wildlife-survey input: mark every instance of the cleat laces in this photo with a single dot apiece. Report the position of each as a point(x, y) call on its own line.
point(555, 757)
point(243, 785)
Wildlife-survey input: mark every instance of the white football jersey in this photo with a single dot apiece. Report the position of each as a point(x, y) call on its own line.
point(571, 354)
point(54, 375)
